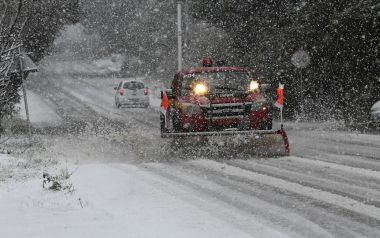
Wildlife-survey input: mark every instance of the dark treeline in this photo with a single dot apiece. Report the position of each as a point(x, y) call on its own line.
point(44, 21)
point(29, 26)
point(342, 38)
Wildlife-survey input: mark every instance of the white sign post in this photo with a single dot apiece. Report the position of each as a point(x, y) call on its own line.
point(301, 59)
point(24, 66)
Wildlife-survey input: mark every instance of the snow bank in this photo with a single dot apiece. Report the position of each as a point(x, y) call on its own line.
point(5, 160)
point(109, 201)
point(42, 112)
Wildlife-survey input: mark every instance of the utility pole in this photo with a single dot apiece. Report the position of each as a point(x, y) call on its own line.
point(179, 32)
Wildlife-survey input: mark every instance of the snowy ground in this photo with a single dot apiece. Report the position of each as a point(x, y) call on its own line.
point(117, 200)
point(130, 183)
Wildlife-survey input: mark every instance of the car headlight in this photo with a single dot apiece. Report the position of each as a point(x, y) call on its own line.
point(191, 109)
point(259, 106)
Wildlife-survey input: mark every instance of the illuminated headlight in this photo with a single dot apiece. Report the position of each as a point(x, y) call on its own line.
point(200, 89)
point(253, 86)
point(259, 105)
point(191, 109)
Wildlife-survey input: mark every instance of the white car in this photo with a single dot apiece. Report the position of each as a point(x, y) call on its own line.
point(375, 112)
point(131, 93)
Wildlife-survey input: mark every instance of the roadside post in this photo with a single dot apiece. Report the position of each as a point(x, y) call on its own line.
point(301, 59)
point(280, 102)
point(25, 66)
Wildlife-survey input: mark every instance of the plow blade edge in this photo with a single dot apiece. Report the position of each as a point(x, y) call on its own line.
point(269, 142)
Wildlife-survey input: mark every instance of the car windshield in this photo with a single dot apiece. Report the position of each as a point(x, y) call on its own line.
point(133, 85)
point(228, 81)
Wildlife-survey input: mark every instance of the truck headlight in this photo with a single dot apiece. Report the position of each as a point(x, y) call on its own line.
point(253, 86)
point(191, 109)
point(200, 89)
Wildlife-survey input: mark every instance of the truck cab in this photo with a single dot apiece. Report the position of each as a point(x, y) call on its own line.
point(214, 99)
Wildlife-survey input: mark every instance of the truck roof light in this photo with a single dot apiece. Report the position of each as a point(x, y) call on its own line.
point(207, 62)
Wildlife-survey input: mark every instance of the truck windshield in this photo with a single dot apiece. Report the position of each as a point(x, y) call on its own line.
point(228, 81)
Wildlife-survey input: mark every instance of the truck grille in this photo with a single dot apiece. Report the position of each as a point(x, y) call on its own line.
point(228, 110)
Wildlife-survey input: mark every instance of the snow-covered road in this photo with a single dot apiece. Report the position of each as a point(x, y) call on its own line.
point(328, 187)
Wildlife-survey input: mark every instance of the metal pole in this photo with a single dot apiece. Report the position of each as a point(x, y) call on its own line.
point(186, 27)
point(138, 65)
point(302, 95)
point(179, 26)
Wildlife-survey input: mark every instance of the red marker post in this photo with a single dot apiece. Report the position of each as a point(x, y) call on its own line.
point(165, 101)
point(280, 100)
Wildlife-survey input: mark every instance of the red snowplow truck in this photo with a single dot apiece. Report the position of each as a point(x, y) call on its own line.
point(220, 102)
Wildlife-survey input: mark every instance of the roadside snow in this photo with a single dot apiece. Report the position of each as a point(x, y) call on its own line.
point(42, 112)
point(5, 160)
point(109, 201)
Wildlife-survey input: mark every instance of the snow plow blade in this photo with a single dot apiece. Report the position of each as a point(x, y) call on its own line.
point(262, 142)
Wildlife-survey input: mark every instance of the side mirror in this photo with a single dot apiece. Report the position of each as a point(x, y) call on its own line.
point(169, 93)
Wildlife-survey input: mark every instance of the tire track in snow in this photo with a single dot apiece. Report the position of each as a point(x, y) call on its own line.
point(322, 172)
point(339, 222)
point(327, 197)
point(344, 152)
point(367, 173)
point(348, 160)
point(302, 143)
point(281, 218)
point(352, 141)
point(367, 196)
point(340, 137)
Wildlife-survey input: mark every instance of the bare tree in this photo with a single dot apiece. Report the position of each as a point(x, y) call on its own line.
point(32, 25)
point(11, 25)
